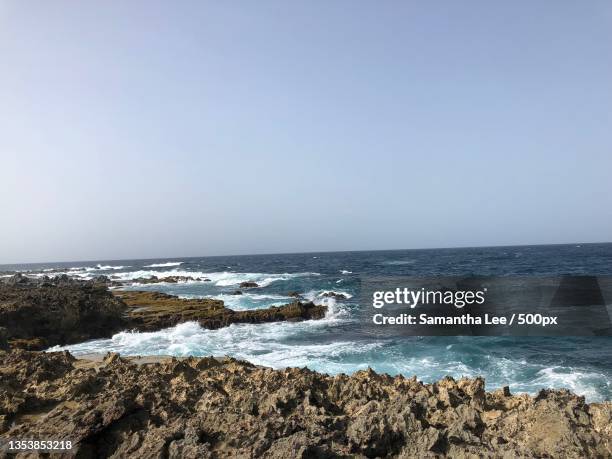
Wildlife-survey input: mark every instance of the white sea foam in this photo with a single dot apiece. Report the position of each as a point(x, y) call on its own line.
point(221, 279)
point(108, 267)
point(77, 272)
point(317, 295)
point(523, 376)
point(247, 300)
point(427, 369)
point(250, 342)
point(344, 271)
point(576, 380)
point(165, 265)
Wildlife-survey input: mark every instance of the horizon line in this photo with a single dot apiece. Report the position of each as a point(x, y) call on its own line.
point(305, 253)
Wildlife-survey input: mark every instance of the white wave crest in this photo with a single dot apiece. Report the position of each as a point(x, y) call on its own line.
point(247, 300)
point(164, 265)
point(320, 294)
point(107, 267)
point(579, 382)
point(221, 279)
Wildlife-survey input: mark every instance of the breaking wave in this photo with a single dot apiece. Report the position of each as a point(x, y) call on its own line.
point(221, 279)
point(106, 268)
point(246, 301)
point(320, 294)
point(263, 344)
point(164, 265)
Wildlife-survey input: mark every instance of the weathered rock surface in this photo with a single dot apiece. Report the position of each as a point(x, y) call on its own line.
point(248, 284)
point(149, 311)
point(203, 407)
point(335, 295)
point(40, 313)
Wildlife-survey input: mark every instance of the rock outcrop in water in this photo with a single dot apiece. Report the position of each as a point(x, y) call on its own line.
point(204, 407)
point(334, 295)
point(150, 311)
point(248, 284)
point(39, 313)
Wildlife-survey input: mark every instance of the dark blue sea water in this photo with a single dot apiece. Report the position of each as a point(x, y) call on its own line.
point(332, 345)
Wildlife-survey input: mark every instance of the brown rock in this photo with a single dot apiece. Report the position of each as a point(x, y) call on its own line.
point(207, 407)
point(149, 311)
point(39, 314)
point(337, 296)
point(4, 345)
point(248, 284)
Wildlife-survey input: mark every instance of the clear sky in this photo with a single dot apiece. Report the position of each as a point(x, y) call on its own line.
point(160, 129)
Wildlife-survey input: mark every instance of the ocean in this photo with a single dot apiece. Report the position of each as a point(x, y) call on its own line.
point(333, 345)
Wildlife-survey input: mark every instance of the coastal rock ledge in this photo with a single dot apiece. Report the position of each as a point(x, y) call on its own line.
point(36, 314)
point(208, 408)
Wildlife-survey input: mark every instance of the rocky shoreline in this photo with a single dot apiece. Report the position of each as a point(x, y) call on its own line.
point(36, 314)
point(210, 407)
point(206, 407)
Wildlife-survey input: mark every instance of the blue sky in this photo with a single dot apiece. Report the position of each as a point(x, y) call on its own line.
point(152, 129)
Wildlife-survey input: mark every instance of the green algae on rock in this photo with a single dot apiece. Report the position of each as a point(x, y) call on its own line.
point(150, 311)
